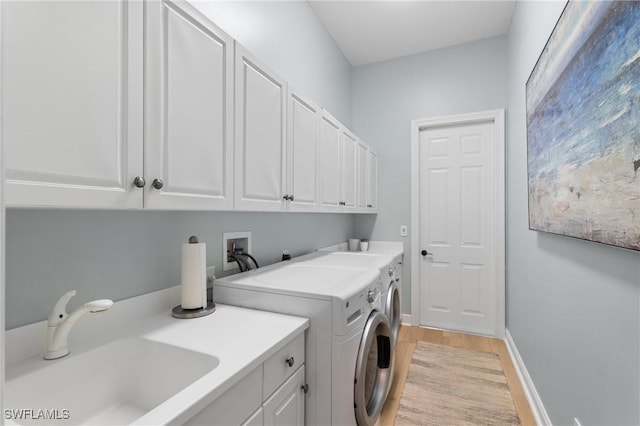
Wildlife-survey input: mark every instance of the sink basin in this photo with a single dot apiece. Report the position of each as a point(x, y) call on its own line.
point(112, 384)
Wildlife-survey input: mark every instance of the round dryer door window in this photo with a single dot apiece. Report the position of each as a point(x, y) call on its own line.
point(373, 369)
point(392, 310)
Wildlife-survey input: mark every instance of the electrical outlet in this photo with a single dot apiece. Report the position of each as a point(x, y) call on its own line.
point(403, 230)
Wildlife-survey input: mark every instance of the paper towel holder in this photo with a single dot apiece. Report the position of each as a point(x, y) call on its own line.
point(182, 313)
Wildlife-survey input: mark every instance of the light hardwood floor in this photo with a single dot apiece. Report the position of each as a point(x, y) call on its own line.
point(406, 344)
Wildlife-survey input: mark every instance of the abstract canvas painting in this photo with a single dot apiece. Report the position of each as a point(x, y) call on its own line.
point(583, 126)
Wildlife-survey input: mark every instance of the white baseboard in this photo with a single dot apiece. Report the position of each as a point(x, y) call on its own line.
point(406, 319)
point(537, 408)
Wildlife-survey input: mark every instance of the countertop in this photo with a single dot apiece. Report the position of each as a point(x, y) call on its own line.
point(240, 338)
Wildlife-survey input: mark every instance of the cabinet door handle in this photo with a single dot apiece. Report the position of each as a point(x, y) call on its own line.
point(139, 182)
point(289, 361)
point(157, 183)
point(291, 197)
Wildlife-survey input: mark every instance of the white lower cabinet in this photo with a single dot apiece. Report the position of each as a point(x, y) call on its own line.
point(271, 394)
point(235, 406)
point(256, 418)
point(286, 405)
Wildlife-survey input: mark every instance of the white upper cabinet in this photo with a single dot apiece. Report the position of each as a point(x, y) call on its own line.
point(348, 169)
point(72, 103)
point(329, 146)
point(188, 110)
point(372, 182)
point(362, 184)
point(130, 104)
point(260, 134)
point(302, 153)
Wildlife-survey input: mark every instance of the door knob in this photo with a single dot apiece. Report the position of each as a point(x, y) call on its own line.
point(426, 253)
point(157, 183)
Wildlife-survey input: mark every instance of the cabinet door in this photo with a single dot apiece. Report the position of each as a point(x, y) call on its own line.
point(302, 137)
point(372, 186)
point(348, 170)
point(260, 135)
point(72, 103)
point(362, 168)
point(189, 110)
point(329, 143)
point(256, 419)
point(286, 405)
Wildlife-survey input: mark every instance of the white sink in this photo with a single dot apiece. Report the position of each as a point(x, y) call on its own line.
point(112, 384)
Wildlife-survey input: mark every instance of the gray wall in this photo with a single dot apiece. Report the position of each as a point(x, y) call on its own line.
point(388, 95)
point(123, 254)
point(572, 306)
point(117, 255)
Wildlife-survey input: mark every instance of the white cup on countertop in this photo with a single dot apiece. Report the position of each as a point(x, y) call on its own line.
point(354, 244)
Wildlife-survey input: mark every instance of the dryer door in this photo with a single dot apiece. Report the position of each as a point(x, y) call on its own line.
point(373, 369)
point(393, 310)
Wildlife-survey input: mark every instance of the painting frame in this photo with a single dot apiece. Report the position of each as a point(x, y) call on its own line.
point(583, 126)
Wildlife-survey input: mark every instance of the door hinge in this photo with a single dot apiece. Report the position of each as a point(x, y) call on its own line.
point(305, 388)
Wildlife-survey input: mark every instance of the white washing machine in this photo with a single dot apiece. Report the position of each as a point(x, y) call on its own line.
point(386, 264)
point(347, 333)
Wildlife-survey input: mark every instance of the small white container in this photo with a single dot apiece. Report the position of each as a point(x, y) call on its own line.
point(354, 244)
point(364, 245)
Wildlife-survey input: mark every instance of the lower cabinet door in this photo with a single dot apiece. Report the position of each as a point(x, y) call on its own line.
point(286, 405)
point(256, 419)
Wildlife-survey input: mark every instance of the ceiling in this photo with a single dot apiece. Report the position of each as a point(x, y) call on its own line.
point(373, 31)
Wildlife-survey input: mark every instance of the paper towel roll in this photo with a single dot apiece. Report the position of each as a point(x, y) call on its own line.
point(194, 275)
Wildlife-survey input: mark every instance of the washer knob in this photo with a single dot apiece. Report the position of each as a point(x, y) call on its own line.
point(391, 270)
point(371, 296)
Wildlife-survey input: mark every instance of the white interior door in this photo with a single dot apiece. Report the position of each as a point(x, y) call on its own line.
point(460, 227)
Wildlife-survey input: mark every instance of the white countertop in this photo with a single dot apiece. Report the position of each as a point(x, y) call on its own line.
point(240, 338)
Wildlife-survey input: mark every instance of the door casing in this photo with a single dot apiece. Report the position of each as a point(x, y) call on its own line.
point(498, 118)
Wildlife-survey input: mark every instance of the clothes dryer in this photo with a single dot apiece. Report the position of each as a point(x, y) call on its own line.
point(390, 302)
point(342, 304)
point(385, 263)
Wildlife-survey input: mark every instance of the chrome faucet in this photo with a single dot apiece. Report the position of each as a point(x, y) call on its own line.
point(60, 323)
